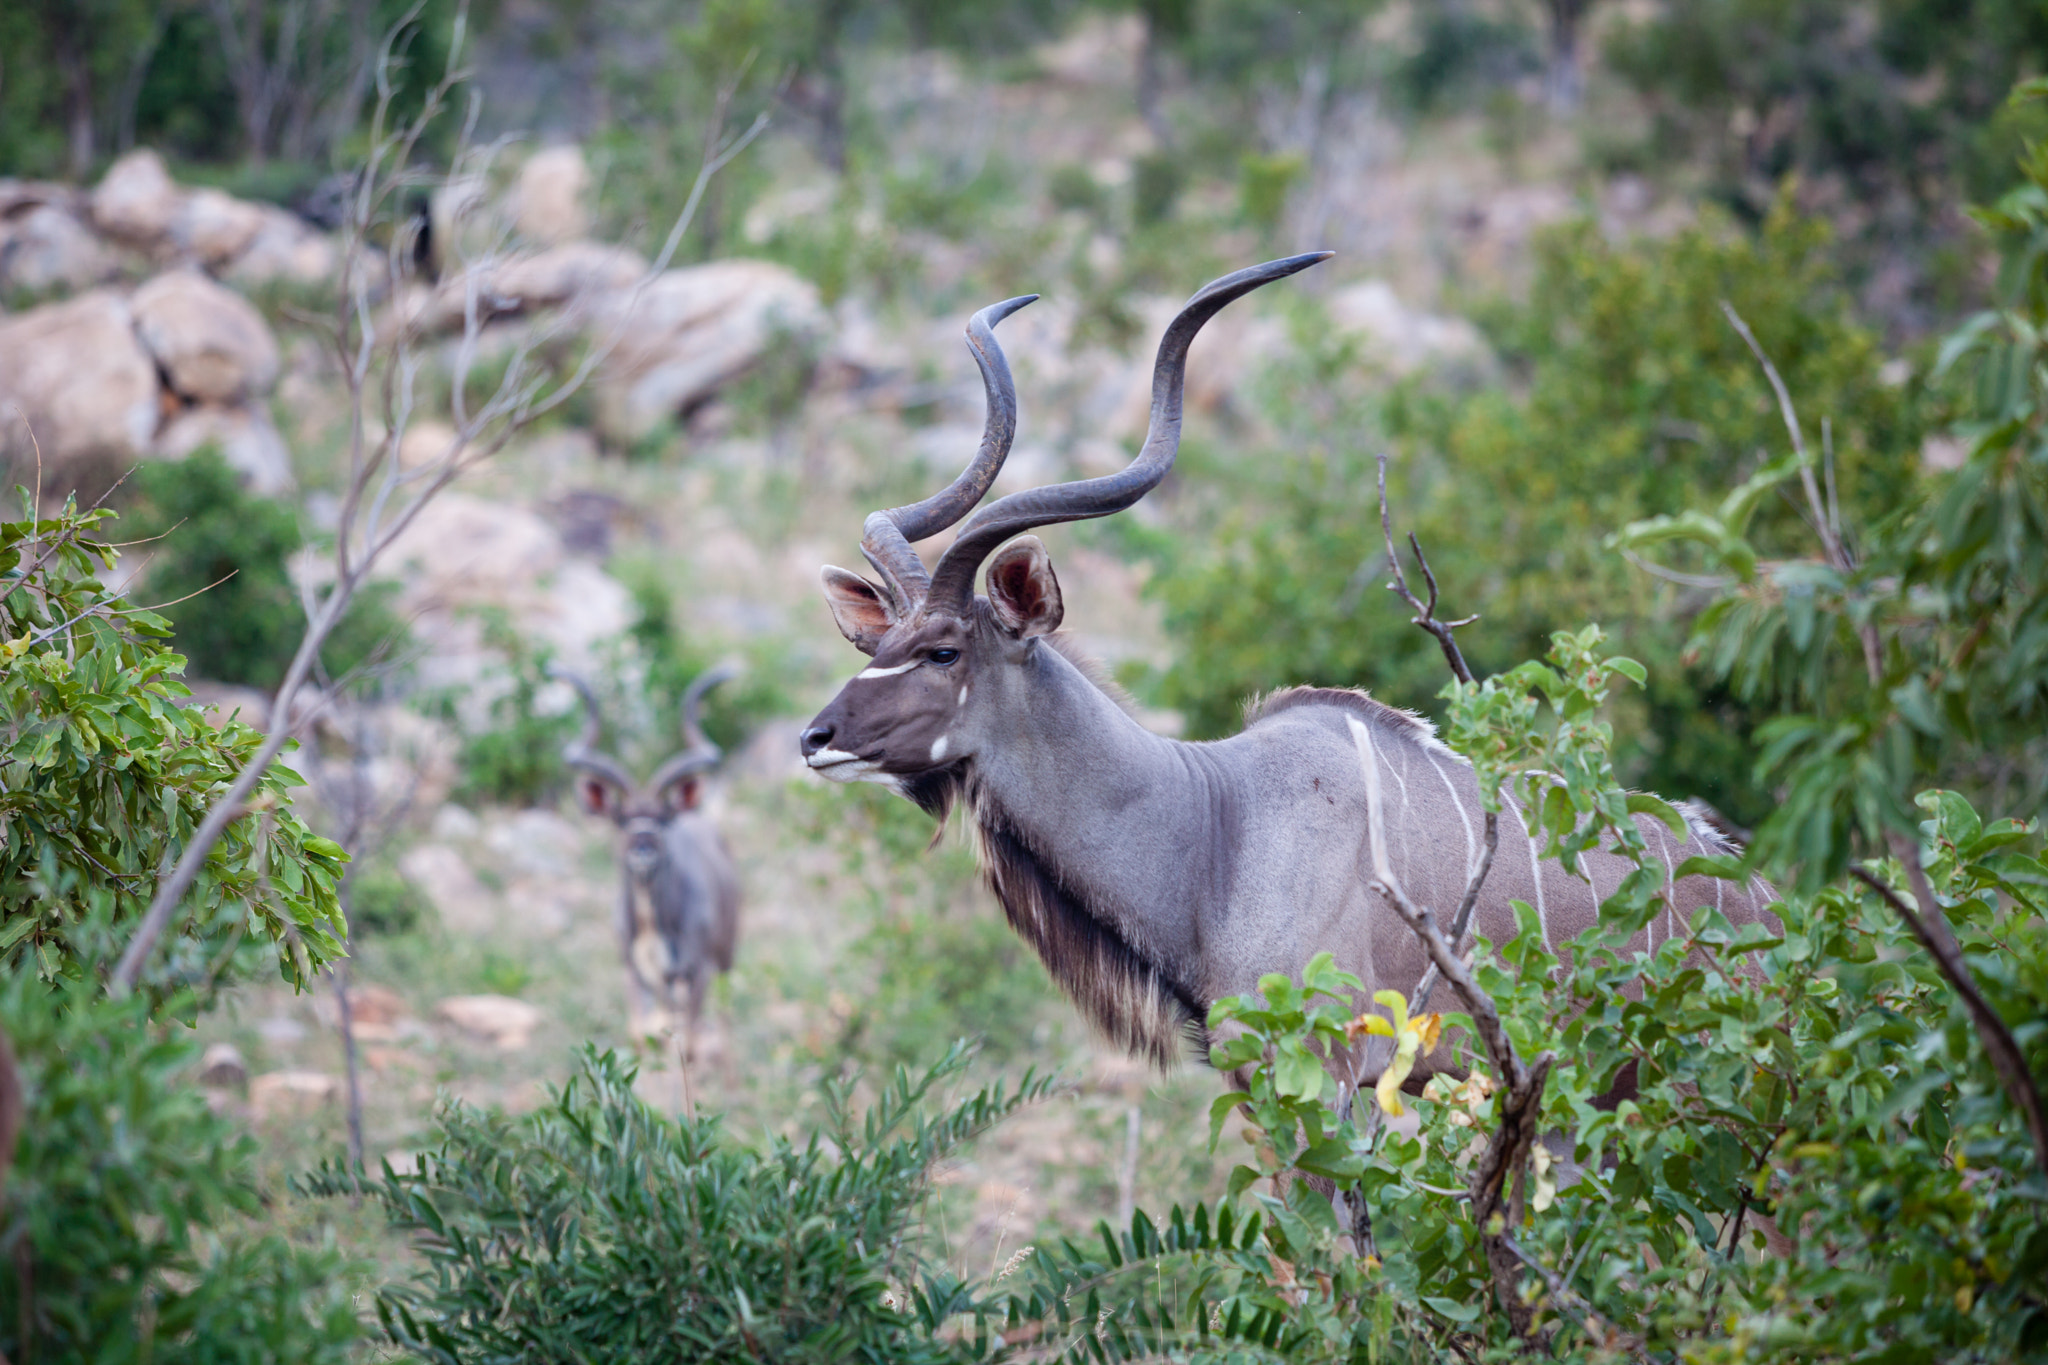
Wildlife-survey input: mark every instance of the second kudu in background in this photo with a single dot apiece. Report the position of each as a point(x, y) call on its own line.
point(679, 898)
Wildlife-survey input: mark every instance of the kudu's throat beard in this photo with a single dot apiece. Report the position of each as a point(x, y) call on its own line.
point(1131, 1000)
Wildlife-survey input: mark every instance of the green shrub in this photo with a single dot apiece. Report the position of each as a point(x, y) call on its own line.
point(1263, 184)
point(126, 1207)
point(382, 902)
point(1073, 186)
point(104, 776)
point(516, 758)
point(597, 1229)
point(1157, 179)
point(222, 568)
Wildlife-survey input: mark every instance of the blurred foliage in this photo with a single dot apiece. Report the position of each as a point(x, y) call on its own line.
point(104, 776)
point(596, 1226)
point(221, 566)
point(1888, 113)
point(382, 902)
point(88, 79)
point(127, 1219)
point(511, 754)
point(1920, 655)
point(1627, 391)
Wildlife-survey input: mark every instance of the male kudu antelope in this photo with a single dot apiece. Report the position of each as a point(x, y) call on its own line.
point(679, 900)
point(1155, 876)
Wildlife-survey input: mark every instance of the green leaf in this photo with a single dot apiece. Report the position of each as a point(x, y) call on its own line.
point(1450, 1308)
point(1642, 803)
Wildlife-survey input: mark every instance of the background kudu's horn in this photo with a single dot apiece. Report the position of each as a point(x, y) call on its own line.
point(699, 752)
point(886, 537)
point(582, 752)
point(952, 583)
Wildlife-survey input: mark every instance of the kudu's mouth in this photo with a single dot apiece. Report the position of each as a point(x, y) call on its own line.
point(838, 764)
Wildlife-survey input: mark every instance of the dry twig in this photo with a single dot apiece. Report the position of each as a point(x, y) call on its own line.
point(1498, 1177)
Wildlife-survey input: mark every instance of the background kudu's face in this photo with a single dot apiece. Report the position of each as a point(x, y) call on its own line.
point(941, 680)
point(642, 817)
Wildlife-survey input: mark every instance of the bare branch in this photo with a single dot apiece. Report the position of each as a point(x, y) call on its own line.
point(1425, 613)
point(1930, 926)
point(1823, 523)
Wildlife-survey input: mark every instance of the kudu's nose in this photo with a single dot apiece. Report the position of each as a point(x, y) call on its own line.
point(816, 738)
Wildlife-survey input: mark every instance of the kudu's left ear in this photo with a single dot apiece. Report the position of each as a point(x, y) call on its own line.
point(858, 606)
point(1022, 591)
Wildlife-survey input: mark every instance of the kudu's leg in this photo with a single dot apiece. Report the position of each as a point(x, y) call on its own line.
point(683, 1035)
point(639, 1000)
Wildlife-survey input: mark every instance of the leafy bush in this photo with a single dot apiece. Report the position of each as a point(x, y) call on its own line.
point(597, 1226)
point(380, 901)
point(222, 568)
point(125, 1207)
point(103, 777)
point(515, 756)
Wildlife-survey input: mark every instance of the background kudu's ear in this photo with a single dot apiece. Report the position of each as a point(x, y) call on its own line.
point(685, 793)
point(1022, 590)
point(862, 612)
point(597, 796)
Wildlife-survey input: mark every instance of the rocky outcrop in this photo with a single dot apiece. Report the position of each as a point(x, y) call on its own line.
point(550, 201)
point(81, 380)
point(138, 206)
point(211, 344)
point(675, 341)
point(44, 247)
point(578, 275)
point(464, 553)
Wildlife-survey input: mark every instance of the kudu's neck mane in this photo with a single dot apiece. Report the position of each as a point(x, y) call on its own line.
point(1134, 1000)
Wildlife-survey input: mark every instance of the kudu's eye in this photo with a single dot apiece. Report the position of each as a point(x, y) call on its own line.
point(942, 657)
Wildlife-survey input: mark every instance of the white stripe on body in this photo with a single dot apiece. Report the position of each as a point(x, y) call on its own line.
point(1471, 837)
point(1535, 864)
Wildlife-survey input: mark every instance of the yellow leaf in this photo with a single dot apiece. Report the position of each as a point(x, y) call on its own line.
point(1368, 1024)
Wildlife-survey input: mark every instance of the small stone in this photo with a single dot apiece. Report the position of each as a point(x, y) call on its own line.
point(222, 1067)
point(282, 1094)
point(497, 1019)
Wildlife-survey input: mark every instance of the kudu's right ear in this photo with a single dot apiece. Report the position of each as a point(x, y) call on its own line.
point(597, 796)
point(860, 608)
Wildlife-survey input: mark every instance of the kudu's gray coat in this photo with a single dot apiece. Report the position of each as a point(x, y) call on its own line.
point(1155, 876)
point(679, 898)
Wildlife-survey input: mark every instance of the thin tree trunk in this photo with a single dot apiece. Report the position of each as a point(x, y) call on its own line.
point(74, 62)
point(130, 93)
point(1566, 78)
